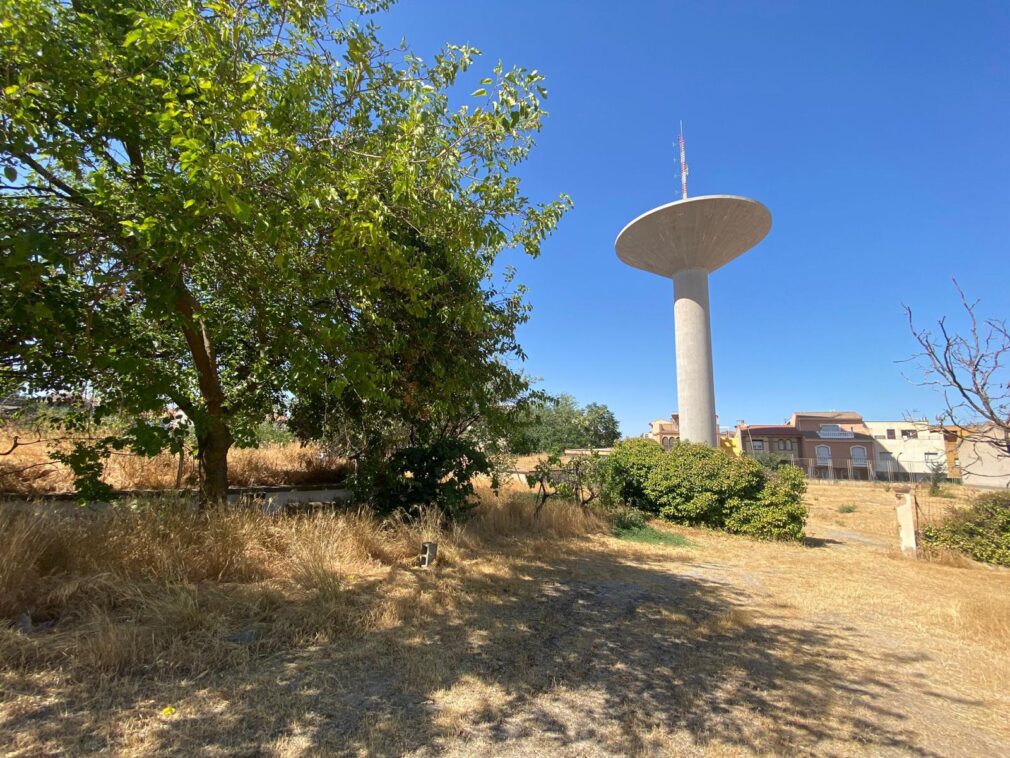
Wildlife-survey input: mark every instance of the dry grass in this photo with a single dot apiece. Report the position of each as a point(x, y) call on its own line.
point(929, 592)
point(120, 587)
point(317, 634)
point(873, 505)
point(29, 470)
point(526, 463)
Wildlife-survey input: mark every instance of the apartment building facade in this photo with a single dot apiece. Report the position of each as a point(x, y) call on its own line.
point(826, 444)
point(664, 431)
point(982, 455)
point(908, 450)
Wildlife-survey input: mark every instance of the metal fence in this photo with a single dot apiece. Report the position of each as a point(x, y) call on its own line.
point(866, 471)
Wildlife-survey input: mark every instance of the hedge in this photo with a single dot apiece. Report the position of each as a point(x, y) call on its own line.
point(702, 486)
point(981, 530)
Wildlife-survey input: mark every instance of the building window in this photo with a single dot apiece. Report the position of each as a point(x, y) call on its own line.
point(667, 443)
point(757, 446)
point(784, 445)
point(823, 453)
point(885, 455)
point(858, 454)
point(890, 434)
point(833, 432)
point(909, 434)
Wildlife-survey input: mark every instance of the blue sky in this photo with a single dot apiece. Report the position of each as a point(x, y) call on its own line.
point(877, 133)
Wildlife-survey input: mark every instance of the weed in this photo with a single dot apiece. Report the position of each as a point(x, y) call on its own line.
point(651, 536)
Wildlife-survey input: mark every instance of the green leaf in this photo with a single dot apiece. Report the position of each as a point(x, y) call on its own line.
point(340, 235)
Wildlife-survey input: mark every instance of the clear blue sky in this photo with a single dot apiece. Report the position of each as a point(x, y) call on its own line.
point(877, 133)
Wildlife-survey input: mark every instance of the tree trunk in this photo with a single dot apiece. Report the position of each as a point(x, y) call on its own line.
point(212, 451)
point(181, 469)
point(215, 439)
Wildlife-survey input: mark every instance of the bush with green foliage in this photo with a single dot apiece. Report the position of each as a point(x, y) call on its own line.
point(579, 478)
point(778, 513)
point(626, 518)
point(698, 485)
point(270, 432)
point(627, 468)
point(439, 474)
point(772, 461)
point(981, 531)
point(937, 476)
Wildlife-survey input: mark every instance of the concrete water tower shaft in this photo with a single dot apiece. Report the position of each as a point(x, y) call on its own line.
point(686, 241)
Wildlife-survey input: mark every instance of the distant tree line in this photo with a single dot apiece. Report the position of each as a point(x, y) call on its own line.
point(559, 423)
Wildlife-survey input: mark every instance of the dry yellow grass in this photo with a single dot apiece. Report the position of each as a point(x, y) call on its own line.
point(873, 505)
point(29, 470)
point(236, 633)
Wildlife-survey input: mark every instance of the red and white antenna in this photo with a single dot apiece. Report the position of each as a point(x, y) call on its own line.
point(683, 164)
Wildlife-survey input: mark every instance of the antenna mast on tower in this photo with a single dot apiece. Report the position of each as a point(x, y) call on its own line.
point(683, 164)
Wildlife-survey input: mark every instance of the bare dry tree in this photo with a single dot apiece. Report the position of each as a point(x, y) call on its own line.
point(970, 370)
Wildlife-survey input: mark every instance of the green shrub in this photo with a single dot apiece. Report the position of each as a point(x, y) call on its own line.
point(981, 531)
point(778, 514)
point(847, 508)
point(772, 461)
point(697, 484)
point(273, 433)
point(439, 474)
point(626, 518)
point(626, 470)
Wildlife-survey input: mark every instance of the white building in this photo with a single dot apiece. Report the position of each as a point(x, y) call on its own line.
point(906, 449)
point(983, 454)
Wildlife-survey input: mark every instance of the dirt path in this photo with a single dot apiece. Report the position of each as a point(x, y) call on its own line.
point(714, 650)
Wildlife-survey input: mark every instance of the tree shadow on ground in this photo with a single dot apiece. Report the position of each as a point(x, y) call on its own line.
point(820, 542)
point(585, 651)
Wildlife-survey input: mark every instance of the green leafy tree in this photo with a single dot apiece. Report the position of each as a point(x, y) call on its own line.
point(219, 205)
point(937, 475)
point(552, 424)
point(602, 429)
point(580, 478)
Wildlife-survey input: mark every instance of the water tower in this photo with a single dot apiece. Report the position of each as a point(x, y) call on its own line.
point(685, 241)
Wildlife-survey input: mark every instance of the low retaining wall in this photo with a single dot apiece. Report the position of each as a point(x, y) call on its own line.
point(274, 498)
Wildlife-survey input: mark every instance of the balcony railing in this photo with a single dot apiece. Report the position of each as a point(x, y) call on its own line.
point(832, 434)
point(867, 469)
